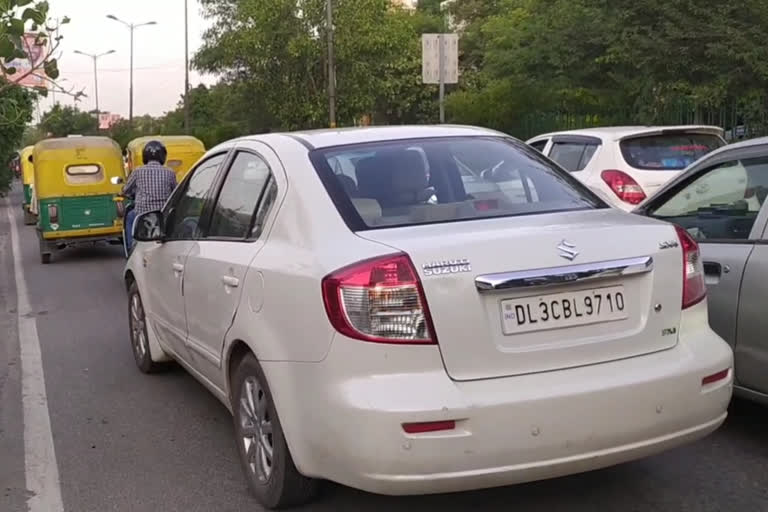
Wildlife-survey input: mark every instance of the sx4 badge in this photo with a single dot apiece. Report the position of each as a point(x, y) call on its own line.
point(437, 268)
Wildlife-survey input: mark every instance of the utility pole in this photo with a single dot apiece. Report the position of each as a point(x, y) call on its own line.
point(331, 65)
point(186, 68)
point(441, 71)
point(95, 57)
point(130, 87)
point(131, 27)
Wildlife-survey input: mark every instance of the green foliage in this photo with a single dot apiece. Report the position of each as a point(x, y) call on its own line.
point(61, 121)
point(15, 112)
point(278, 50)
point(624, 61)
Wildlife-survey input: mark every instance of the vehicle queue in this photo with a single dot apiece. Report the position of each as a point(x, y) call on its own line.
point(602, 308)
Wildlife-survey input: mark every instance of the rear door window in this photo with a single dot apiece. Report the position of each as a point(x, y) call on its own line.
point(239, 195)
point(539, 145)
point(573, 156)
point(668, 152)
point(444, 180)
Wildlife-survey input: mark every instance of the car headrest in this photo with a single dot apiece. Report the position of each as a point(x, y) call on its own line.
point(349, 185)
point(393, 177)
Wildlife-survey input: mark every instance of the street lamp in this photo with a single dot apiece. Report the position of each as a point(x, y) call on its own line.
point(95, 57)
point(131, 27)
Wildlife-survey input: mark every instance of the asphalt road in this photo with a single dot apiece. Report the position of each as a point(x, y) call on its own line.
point(129, 442)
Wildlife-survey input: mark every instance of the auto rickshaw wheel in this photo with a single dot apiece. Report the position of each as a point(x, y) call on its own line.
point(29, 218)
point(45, 252)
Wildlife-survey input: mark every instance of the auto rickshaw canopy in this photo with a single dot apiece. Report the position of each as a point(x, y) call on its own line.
point(183, 152)
point(27, 167)
point(76, 166)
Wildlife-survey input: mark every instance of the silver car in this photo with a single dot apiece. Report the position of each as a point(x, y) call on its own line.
point(720, 200)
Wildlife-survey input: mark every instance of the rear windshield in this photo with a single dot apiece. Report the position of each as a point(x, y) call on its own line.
point(670, 152)
point(436, 180)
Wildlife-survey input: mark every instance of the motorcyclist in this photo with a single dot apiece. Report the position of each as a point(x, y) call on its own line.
point(149, 185)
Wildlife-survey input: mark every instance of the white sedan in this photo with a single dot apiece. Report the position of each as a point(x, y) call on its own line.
point(381, 327)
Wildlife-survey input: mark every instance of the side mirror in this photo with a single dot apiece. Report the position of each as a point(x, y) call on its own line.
point(148, 227)
point(116, 180)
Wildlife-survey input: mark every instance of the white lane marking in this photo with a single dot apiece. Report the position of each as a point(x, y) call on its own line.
point(40, 467)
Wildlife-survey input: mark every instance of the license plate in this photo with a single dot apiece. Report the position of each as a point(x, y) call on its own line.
point(560, 310)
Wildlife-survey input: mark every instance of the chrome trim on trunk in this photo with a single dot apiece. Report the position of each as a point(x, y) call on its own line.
point(560, 275)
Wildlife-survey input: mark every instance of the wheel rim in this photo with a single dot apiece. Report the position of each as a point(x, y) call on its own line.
point(138, 333)
point(256, 429)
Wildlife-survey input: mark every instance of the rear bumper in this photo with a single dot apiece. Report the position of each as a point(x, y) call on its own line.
point(85, 235)
point(343, 417)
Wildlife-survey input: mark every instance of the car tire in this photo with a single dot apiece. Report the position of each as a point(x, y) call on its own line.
point(29, 218)
point(45, 252)
point(274, 481)
point(137, 325)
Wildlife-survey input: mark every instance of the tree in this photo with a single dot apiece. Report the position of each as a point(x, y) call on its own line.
point(62, 121)
point(15, 112)
point(277, 50)
point(25, 30)
point(623, 61)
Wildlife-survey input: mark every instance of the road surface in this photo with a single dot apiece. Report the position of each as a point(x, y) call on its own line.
point(123, 441)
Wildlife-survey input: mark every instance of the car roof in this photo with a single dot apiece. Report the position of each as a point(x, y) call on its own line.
point(621, 132)
point(360, 135)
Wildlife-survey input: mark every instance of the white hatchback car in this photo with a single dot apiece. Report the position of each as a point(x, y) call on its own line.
point(368, 321)
point(626, 164)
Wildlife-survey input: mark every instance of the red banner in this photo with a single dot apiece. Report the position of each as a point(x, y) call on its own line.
point(35, 55)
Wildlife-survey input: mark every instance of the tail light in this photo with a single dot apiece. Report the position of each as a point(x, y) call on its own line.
point(694, 287)
point(53, 213)
point(380, 300)
point(624, 186)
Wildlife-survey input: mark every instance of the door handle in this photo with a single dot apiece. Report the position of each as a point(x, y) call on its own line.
point(178, 267)
point(230, 281)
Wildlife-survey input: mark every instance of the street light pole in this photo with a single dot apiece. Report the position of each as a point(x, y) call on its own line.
point(131, 27)
point(95, 57)
point(130, 87)
point(331, 65)
point(186, 68)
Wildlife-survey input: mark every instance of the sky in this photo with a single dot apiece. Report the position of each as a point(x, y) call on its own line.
point(158, 53)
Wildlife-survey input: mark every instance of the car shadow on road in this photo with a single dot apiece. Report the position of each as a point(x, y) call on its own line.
point(99, 252)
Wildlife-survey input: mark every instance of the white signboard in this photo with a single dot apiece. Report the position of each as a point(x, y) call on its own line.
point(431, 53)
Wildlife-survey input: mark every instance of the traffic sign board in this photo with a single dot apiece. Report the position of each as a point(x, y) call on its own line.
point(440, 52)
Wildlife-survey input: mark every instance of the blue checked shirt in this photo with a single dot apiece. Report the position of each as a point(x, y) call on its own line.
point(150, 185)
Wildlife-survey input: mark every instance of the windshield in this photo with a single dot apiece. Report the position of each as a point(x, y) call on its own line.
point(668, 152)
point(443, 180)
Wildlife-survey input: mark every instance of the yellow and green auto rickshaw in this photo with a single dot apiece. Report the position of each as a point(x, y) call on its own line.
point(183, 152)
point(77, 200)
point(28, 180)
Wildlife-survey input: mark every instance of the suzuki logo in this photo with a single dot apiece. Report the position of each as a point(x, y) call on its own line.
point(567, 250)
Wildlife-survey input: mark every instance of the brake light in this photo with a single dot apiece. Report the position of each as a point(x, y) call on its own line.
point(380, 300)
point(694, 287)
point(428, 426)
point(624, 186)
point(715, 377)
point(53, 213)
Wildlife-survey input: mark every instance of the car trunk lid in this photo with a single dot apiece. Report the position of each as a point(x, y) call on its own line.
point(485, 282)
